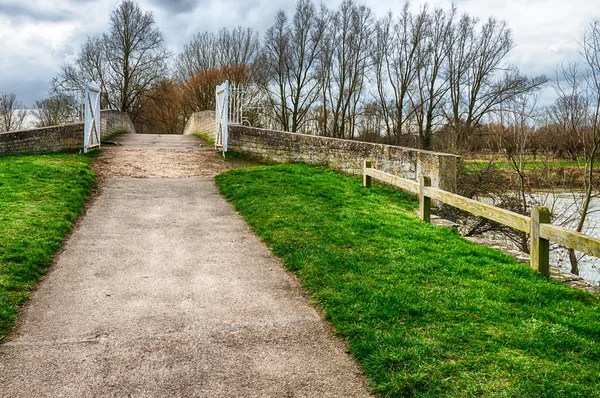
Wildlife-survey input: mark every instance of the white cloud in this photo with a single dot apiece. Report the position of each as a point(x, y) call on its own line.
point(38, 36)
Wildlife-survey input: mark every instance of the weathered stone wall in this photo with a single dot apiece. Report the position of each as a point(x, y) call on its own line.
point(201, 122)
point(67, 137)
point(112, 122)
point(344, 155)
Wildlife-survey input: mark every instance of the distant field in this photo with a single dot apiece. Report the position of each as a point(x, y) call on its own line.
point(41, 197)
point(480, 164)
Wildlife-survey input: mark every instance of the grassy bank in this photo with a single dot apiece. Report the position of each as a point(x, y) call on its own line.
point(41, 196)
point(425, 312)
point(561, 175)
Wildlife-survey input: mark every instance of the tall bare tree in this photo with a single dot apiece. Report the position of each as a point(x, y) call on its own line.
point(55, 110)
point(398, 62)
point(128, 61)
point(577, 108)
point(351, 33)
point(289, 59)
point(272, 70)
point(480, 78)
point(432, 81)
point(12, 112)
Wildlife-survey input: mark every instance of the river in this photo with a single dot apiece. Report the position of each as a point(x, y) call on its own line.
point(565, 209)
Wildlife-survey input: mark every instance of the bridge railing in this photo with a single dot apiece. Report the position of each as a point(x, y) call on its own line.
point(537, 225)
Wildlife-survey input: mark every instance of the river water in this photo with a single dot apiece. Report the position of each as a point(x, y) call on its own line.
point(565, 208)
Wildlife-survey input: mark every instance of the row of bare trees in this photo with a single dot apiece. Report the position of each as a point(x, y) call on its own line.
point(342, 73)
point(411, 73)
point(54, 110)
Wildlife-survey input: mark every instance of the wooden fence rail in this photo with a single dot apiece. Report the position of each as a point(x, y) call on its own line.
point(538, 225)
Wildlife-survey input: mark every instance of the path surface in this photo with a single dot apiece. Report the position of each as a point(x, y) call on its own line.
point(162, 291)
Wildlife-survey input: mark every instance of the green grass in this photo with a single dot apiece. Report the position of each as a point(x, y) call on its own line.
point(205, 136)
point(425, 312)
point(529, 165)
point(41, 197)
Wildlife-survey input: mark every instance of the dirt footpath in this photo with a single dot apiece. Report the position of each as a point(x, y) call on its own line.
point(163, 291)
point(121, 162)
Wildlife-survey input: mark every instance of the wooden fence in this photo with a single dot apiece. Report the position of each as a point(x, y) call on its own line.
point(538, 225)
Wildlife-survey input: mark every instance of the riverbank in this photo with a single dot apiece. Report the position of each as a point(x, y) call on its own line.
point(553, 175)
point(425, 312)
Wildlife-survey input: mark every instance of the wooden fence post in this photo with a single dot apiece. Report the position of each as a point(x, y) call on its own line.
point(366, 178)
point(540, 248)
point(424, 201)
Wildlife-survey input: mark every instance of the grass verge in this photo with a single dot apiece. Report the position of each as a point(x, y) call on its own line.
point(425, 312)
point(205, 136)
point(41, 197)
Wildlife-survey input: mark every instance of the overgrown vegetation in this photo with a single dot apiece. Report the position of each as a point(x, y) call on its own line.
point(425, 312)
point(41, 197)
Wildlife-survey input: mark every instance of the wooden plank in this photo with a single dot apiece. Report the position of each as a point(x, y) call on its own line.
point(403, 183)
point(540, 247)
point(569, 238)
point(509, 218)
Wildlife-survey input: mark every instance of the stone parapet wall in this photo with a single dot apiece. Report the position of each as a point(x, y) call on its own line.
point(67, 137)
point(112, 122)
point(345, 156)
point(63, 138)
point(201, 122)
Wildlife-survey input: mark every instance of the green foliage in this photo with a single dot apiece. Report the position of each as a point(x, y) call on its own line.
point(425, 312)
point(41, 197)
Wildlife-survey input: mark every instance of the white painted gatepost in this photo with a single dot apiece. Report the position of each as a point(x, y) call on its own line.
point(222, 116)
point(91, 130)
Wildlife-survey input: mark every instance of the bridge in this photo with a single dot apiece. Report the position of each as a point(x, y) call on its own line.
point(162, 290)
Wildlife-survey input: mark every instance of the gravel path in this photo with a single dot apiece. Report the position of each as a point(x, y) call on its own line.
point(162, 291)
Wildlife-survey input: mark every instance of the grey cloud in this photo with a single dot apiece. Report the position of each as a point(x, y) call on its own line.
point(18, 12)
point(27, 91)
point(176, 6)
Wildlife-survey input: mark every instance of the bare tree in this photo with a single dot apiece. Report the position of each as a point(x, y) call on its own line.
point(55, 110)
point(236, 48)
point(398, 62)
point(272, 72)
point(432, 82)
point(517, 118)
point(578, 110)
point(128, 61)
point(290, 55)
point(12, 112)
point(479, 78)
point(350, 41)
point(306, 33)
point(200, 54)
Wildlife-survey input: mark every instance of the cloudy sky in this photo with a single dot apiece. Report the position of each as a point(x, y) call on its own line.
point(37, 36)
